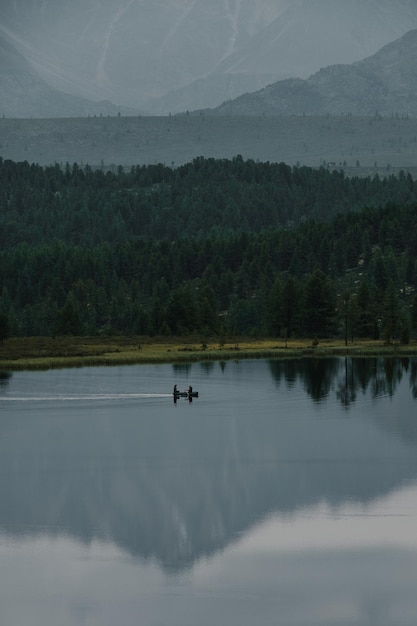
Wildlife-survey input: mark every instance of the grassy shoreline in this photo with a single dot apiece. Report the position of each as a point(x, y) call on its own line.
point(41, 353)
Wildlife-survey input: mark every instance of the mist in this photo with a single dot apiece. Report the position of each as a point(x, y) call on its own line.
point(167, 56)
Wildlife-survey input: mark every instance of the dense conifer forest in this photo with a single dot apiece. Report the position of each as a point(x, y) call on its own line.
point(212, 248)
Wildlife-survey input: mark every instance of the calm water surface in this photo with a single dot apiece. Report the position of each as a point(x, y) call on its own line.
point(285, 494)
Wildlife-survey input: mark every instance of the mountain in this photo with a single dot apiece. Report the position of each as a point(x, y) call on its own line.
point(306, 36)
point(24, 94)
point(172, 55)
point(385, 83)
point(131, 51)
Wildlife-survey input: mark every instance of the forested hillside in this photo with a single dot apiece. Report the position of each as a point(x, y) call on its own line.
point(214, 247)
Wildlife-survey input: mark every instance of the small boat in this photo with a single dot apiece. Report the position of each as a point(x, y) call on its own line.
point(185, 394)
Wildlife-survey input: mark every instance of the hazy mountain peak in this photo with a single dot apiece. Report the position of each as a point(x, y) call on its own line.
point(24, 94)
point(170, 55)
point(10, 59)
point(385, 83)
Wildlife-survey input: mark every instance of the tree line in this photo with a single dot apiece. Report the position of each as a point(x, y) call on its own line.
point(216, 247)
point(79, 205)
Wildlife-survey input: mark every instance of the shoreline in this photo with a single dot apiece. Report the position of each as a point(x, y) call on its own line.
point(43, 353)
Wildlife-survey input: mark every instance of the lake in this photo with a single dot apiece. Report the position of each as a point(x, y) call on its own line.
point(286, 493)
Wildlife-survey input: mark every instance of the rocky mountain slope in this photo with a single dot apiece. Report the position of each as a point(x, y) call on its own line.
point(130, 51)
point(173, 55)
point(307, 36)
point(385, 84)
point(24, 94)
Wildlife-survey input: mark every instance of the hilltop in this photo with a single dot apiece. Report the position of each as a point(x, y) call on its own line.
point(383, 84)
point(24, 93)
point(170, 56)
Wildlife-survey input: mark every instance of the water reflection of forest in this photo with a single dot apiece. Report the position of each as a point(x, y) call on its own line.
point(176, 490)
point(346, 377)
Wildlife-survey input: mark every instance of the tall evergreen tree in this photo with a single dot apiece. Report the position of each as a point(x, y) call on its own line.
point(320, 305)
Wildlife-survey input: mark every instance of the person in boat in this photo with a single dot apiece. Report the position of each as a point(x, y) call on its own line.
point(190, 389)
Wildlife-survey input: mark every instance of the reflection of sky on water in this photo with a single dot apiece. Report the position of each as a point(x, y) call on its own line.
point(351, 564)
point(268, 496)
point(387, 522)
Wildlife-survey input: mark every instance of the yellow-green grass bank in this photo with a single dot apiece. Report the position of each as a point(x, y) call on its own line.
point(34, 353)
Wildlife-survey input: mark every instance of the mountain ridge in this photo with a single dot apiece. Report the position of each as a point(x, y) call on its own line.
point(385, 83)
point(24, 94)
point(169, 56)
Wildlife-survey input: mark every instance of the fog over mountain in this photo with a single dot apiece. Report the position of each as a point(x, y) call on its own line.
point(161, 56)
point(384, 84)
point(24, 94)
